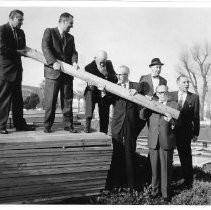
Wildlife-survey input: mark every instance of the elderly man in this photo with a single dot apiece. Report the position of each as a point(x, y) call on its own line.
point(188, 126)
point(57, 43)
point(124, 125)
point(161, 143)
point(149, 83)
point(12, 38)
point(102, 68)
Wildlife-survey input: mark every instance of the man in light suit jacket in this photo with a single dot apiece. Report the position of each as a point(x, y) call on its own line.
point(188, 126)
point(149, 83)
point(103, 68)
point(161, 143)
point(57, 43)
point(12, 38)
point(123, 129)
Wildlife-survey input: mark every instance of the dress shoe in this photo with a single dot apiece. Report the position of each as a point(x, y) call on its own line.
point(166, 200)
point(25, 128)
point(188, 185)
point(154, 195)
point(47, 130)
point(87, 128)
point(70, 129)
point(3, 131)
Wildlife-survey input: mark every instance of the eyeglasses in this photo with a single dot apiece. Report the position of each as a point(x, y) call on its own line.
point(163, 92)
point(121, 74)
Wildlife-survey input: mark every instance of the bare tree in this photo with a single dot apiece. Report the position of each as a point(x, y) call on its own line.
point(196, 65)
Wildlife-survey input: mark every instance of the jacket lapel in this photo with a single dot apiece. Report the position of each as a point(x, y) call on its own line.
point(186, 100)
point(130, 85)
point(59, 37)
point(160, 80)
point(151, 90)
point(11, 35)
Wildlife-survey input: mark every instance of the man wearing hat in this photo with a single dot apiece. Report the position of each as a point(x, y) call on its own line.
point(149, 83)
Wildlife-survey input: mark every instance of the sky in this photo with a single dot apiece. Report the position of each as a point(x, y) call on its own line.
point(132, 34)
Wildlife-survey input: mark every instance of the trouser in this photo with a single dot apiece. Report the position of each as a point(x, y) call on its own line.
point(123, 158)
point(103, 106)
point(161, 165)
point(52, 88)
point(11, 93)
point(185, 155)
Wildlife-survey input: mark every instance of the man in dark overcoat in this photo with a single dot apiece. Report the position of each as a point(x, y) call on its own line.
point(103, 68)
point(12, 39)
point(123, 129)
point(187, 129)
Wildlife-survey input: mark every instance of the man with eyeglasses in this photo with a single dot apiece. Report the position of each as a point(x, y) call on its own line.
point(188, 126)
point(123, 129)
point(12, 39)
point(161, 143)
point(102, 68)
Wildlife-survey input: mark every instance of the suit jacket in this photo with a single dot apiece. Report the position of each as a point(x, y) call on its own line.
point(10, 61)
point(189, 120)
point(160, 129)
point(53, 49)
point(92, 68)
point(125, 112)
point(147, 85)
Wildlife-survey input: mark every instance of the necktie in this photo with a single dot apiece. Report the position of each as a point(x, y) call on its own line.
point(16, 37)
point(180, 100)
point(63, 40)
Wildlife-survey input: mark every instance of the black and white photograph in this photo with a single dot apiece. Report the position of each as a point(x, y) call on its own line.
point(105, 103)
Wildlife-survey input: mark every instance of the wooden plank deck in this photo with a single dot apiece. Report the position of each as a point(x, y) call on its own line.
point(37, 167)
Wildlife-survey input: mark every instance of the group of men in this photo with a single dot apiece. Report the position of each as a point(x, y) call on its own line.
point(165, 133)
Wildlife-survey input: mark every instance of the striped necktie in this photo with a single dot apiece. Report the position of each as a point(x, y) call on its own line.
point(180, 100)
point(63, 39)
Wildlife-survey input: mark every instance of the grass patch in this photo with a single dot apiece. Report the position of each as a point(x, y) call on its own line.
point(199, 194)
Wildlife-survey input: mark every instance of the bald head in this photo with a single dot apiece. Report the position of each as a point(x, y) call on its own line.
point(100, 60)
point(101, 57)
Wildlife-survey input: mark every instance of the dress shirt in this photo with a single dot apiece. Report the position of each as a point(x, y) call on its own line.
point(155, 82)
point(181, 96)
point(14, 34)
point(125, 85)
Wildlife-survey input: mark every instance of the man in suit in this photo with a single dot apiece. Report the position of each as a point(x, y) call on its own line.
point(161, 143)
point(102, 68)
point(123, 129)
point(12, 38)
point(149, 83)
point(188, 126)
point(57, 43)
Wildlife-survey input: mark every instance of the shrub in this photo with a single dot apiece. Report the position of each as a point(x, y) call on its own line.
point(31, 101)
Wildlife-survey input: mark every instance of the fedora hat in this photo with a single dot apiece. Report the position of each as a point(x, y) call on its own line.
point(155, 61)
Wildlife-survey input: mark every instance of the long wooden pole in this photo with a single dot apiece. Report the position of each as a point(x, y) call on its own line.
point(109, 86)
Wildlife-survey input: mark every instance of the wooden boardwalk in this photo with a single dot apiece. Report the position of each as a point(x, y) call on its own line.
point(36, 167)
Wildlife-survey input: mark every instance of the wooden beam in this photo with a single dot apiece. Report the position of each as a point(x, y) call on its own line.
point(109, 86)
